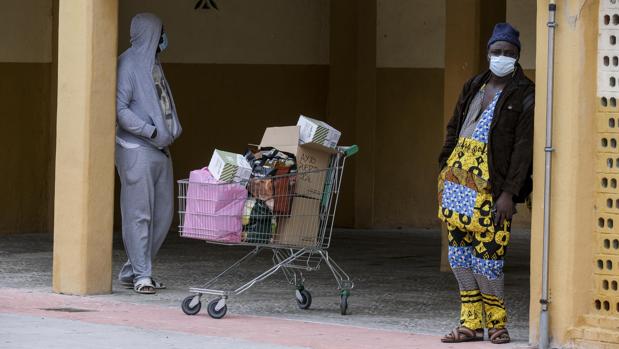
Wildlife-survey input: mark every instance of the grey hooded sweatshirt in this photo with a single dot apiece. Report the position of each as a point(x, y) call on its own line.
point(138, 111)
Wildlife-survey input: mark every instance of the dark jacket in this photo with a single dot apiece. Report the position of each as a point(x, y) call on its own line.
point(510, 143)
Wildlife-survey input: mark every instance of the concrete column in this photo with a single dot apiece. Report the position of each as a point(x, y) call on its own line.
point(84, 193)
point(342, 93)
point(365, 130)
point(352, 93)
point(468, 27)
point(572, 225)
point(52, 118)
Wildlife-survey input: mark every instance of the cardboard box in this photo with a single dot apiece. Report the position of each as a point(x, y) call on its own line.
point(318, 132)
point(302, 227)
point(229, 167)
point(310, 157)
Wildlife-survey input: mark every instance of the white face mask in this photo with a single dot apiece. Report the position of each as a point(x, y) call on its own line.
point(502, 65)
point(163, 42)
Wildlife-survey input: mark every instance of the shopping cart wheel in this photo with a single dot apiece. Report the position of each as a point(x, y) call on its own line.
point(304, 299)
point(344, 303)
point(191, 305)
point(217, 308)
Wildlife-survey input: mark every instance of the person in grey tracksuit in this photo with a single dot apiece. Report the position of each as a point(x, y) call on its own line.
point(147, 124)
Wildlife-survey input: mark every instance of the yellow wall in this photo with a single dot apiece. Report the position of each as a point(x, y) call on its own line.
point(409, 126)
point(209, 72)
point(410, 75)
point(24, 182)
point(522, 15)
point(241, 32)
point(274, 57)
point(227, 106)
point(598, 328)
point(410, 34)
point(236, 71)
point(409, 134)
point(26, 88)
point(26, 31)
point(572, 232)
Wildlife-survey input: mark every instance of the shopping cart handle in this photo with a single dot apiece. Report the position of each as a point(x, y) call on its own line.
point(350, 151)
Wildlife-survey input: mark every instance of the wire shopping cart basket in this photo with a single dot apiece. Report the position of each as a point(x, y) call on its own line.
point(292, 215)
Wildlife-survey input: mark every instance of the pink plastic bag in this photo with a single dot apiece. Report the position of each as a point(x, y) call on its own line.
point(214, 209)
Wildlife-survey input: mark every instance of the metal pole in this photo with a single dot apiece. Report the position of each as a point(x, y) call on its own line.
point(544, 337)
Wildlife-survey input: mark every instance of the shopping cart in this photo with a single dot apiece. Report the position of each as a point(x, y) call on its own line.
point(292, 215)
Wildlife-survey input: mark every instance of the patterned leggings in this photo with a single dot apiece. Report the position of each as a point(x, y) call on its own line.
point(477, 262)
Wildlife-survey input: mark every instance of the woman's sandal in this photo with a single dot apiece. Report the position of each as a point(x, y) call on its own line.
point(144, 286)
point(129, 284)
point(499, 336)
point(462, 334)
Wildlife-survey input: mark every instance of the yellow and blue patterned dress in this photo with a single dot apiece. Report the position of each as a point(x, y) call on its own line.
point(476, 245)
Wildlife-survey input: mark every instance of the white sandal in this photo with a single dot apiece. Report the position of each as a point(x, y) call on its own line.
point(142, 286)
point(157, 285)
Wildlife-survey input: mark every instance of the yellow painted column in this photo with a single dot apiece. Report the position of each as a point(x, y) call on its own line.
point(468, 27)
point(84, 192)
point(572, 223)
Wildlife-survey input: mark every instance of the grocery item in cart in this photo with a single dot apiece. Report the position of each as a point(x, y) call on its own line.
point(319, 132)
point(264, 161)
point(283, 191)
point(269, 181)
point(311, 157)
point(258, 222)
point(313, 160)
point(302, 227)
point(213, 210)
point(299, 243)
point(229, 167)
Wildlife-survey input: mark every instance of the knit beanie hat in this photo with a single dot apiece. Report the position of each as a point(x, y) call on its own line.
point(505, 32)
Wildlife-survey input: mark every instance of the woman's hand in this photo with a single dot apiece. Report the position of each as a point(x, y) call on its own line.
point(504, 208)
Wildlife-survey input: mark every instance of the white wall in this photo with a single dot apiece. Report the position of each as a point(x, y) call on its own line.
point(241, 32)
point(26, 31)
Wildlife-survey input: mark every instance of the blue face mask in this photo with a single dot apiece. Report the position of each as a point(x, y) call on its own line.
point(163, 42)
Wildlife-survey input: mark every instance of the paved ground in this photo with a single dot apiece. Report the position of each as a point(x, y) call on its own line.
point(398, 291)
point(52, 333)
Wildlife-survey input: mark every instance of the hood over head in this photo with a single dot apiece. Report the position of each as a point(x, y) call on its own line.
point(145, 34)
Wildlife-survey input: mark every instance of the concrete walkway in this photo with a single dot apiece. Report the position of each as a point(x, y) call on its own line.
point(401, 300)
point(27, 332)
point(39, 320)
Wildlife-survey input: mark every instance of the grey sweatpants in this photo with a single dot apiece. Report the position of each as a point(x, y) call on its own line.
point(146, 205)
